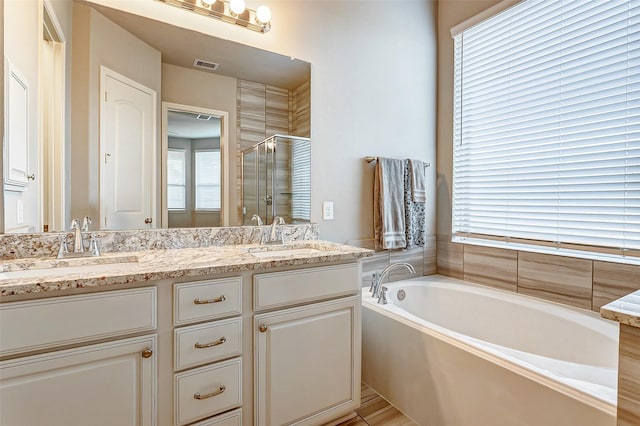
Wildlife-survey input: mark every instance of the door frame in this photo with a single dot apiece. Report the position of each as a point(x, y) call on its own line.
point(107, 72)
point(55, 160)
point(224, 156)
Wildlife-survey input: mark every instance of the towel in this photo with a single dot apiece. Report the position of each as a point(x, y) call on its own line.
point(388, 204)
point(414, 212)
point(418, 185)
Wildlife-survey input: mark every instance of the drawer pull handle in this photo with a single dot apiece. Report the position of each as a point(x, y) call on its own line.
point(208, 345)
point(207, 301)
point(146, 353)
point(209, 395)
point(263, 328)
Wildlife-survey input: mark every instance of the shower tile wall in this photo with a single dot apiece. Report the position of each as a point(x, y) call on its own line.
point(262, 112)
point(583, 283)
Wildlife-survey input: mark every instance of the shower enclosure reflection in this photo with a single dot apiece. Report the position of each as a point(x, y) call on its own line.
point(276, 180)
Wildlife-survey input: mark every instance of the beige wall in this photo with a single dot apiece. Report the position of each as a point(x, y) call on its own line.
point(98, 41)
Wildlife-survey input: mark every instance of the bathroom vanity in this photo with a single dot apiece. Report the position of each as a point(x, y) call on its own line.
point(224, 335)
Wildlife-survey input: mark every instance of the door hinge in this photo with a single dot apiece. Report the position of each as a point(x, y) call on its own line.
point(148, 220)
point(105, 96)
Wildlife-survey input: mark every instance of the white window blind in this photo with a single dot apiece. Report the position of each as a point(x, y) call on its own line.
point(301, 180)
point(207, 179)
point(176, 179)
point(547, 125)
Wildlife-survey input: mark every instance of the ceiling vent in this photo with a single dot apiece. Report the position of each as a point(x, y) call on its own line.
point(203, 117)
point(205, 65)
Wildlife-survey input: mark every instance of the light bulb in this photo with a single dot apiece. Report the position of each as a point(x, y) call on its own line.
point(237, 6)
point(263, 14)
point(208, 2)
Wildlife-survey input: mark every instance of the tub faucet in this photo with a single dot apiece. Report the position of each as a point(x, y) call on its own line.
point(385, 271)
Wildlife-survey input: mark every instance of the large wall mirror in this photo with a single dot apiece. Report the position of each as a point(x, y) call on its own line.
point(108, 110)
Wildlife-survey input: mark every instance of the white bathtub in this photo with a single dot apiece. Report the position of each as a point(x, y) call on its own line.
point(453, 353)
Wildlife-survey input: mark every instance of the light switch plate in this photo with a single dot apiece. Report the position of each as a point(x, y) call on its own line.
point(327, 210)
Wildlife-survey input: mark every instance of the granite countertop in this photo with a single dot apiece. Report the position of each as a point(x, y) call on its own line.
point(625, 310)
point(45, 275)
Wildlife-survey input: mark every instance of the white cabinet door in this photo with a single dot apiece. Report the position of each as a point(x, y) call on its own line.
point(127, 147)
point(307, 363)
point(106, 384)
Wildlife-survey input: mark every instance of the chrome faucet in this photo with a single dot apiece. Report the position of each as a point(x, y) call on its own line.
point(257, 219)
point(385, 271)
point(274, 230)
point(78, 243)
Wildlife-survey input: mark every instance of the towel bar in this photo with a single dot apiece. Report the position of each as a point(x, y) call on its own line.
point(374, 159)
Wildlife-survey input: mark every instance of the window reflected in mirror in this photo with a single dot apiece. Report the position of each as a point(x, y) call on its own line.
point(193, 170)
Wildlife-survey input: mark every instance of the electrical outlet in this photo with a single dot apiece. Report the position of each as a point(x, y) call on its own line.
point(327, 210)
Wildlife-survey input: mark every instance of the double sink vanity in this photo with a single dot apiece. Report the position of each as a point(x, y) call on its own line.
point(208, 330)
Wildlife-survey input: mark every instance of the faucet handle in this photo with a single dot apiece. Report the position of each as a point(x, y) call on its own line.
point(374, 279)
point(85, 223)
point(382, 299)
point(93, 246)
point(74, 224)
point(64, 247)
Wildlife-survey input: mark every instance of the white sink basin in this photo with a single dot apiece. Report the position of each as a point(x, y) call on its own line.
point(286, 252)
point(82, 270)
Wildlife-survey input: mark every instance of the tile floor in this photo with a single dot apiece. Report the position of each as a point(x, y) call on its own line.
point(375, 411)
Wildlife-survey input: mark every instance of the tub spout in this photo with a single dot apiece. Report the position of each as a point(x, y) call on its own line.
point(385, 272)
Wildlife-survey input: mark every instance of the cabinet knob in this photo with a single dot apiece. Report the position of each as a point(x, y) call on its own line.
point(263, 328)
point(146, 353)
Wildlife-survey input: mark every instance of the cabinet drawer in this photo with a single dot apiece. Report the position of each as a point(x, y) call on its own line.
point(200, 344)
point(56, 321)
point(205, 300)
point(232, 418)
point(278, 289)
point(218, 386)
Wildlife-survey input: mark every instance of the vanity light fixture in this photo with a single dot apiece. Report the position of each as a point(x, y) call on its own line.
point(231, 11)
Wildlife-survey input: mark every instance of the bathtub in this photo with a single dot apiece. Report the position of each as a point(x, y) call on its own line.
point(459, 354)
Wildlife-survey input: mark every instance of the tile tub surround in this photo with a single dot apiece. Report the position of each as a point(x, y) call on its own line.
point(423, 259)
point(177, 263)
point(14, 246)
point(584, 283)
point(626, 310)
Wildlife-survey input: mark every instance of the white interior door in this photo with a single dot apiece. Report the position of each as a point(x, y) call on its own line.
point(127, 148)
